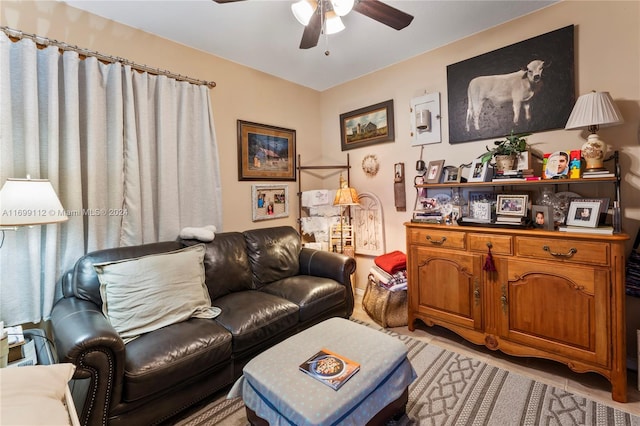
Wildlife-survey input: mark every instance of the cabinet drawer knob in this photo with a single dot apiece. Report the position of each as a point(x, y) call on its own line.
point(438, 243)
point(570, 253)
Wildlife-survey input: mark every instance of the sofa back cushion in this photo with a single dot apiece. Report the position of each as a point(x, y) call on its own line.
point(273, 253)
point(84, 282)
point(146, 293)
point(226, 264)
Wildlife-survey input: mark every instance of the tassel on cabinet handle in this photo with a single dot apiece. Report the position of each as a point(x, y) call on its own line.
point(439, 243)
point(569, 254)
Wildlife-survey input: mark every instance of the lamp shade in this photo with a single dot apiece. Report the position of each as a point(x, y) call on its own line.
point(332, 24)
point(594, 109)
point(345, 196)
point(342, 7)
point(303, 10)
point(28, 202)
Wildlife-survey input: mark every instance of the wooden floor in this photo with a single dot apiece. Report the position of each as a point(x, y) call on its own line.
point(591, 385)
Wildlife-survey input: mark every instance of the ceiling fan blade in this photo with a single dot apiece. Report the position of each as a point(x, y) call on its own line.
point(383, 13)
point(311, 33)
point(226, 1)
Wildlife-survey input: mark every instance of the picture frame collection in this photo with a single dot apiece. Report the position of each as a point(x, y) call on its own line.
point(267, 152)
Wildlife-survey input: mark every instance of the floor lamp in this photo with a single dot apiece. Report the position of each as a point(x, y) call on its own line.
point(345, 196)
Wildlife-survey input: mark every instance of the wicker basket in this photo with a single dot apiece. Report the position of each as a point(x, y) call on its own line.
point(387, 308)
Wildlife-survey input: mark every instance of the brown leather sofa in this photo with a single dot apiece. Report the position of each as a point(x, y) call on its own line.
point(268, 286)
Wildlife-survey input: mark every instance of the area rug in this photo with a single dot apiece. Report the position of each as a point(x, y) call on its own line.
point(454, 389)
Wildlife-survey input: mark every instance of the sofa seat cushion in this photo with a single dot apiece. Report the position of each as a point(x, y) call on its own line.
point(313, 295)
point(174, 354)
point(254, 317)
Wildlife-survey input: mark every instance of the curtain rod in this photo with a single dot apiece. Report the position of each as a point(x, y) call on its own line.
point(44, 41)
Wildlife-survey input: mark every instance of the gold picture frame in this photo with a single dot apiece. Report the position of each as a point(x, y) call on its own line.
point(266, 152)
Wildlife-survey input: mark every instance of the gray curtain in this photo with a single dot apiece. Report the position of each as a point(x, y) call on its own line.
point(132, 156)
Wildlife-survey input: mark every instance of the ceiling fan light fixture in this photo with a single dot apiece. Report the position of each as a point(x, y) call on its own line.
point(332, 24)
point(303, 10)
point(342, 7)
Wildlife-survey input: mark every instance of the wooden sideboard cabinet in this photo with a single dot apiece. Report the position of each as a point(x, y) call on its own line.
point(552, 295)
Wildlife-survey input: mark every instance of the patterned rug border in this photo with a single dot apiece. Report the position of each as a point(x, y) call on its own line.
point(457, 389)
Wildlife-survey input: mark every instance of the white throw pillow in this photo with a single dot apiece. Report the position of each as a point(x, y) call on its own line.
point(35, 395)
point(150, 292)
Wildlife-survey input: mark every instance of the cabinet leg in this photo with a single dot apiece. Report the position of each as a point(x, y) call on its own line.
point(619, 387)
point(411, 323)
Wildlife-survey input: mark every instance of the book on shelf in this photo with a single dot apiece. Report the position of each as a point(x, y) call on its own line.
point(606, 230)
point(508, 179)
point(476, 220)
point(330, 368)
point(587, 175)
point(596, 172)
point(509, 219)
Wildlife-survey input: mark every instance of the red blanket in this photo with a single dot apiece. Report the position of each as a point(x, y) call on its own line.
point(391, 262)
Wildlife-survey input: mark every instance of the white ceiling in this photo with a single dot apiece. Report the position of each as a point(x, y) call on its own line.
point(264, 35)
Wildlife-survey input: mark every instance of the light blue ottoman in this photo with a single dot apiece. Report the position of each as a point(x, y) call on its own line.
point(274, 390)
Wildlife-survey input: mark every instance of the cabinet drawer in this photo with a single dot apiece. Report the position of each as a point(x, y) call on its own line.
point(437, 238)
point(500, 244)
point(568, 250)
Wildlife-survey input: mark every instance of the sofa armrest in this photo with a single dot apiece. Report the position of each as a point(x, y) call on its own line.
point(84, 337)
point(336, 266)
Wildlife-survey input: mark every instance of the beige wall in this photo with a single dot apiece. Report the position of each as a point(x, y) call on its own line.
point(607, 58)
point(241, 93)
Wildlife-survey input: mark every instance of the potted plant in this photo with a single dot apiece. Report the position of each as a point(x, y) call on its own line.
point(506, 150)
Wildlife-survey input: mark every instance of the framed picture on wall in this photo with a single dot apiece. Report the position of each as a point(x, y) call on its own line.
point(542, 70)
point(367, 126)
point(269, 202)
point(266, 152)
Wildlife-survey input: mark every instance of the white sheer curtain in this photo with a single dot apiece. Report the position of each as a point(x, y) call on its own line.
point(132, 156)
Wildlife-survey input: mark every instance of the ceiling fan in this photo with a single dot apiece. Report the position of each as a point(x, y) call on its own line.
point(320, 16)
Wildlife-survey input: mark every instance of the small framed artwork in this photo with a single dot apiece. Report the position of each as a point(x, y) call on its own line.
point(269, 202)
point(512, 205)
point(524, 161)
point(583, 213)
point(541, 217)
point(266, 152)
point(367, 126)
point(480, 204)
point(452, 174)
point(479, 171)
point(557, 165)
point(434, 171)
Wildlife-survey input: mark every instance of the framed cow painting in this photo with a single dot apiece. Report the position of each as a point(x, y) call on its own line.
point(526, 87)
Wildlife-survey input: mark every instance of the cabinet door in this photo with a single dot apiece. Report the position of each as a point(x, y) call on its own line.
point(558, 308)
point(449, 286)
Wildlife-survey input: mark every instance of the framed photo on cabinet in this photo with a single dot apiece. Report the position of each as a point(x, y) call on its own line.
point(541, 217)
point(434, 171)
point(479, 171)
point(583, 213)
